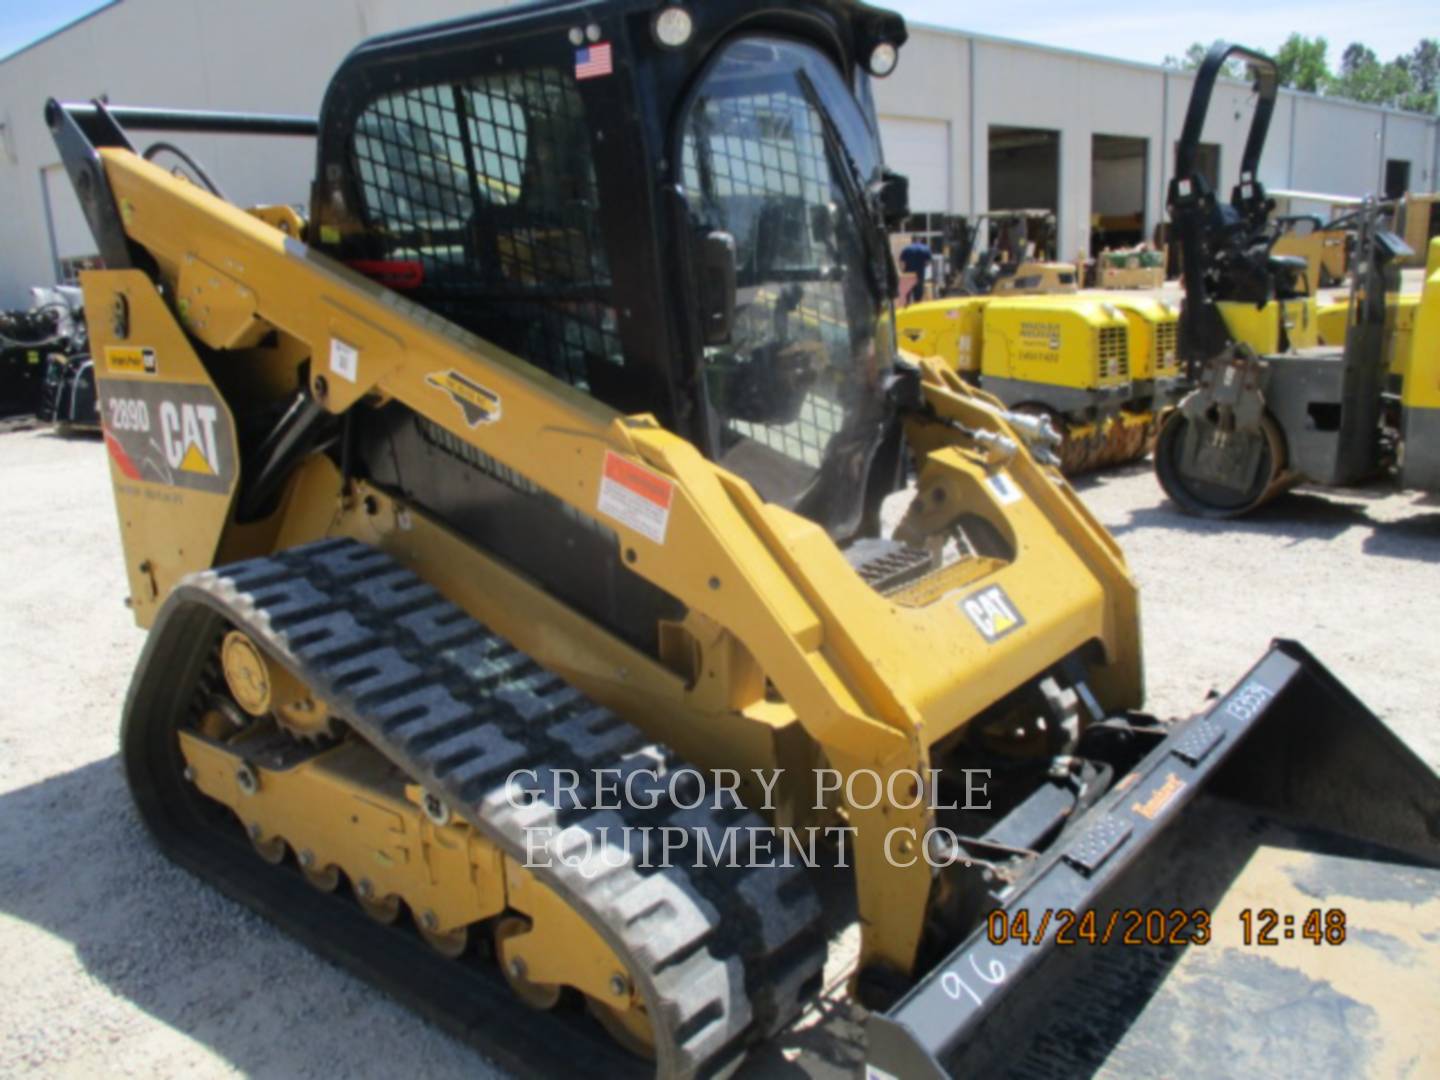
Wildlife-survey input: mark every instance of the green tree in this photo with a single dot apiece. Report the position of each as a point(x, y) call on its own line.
point(1301, 63)
point(1364, 78)
point(1424, 65)
point(1195, 56)
point(1357, 58)
point(1411, 81)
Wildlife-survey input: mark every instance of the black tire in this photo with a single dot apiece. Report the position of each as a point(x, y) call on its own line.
point(1201, 498)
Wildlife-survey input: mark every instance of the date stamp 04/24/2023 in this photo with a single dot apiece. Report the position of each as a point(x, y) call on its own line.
point(1161, 926)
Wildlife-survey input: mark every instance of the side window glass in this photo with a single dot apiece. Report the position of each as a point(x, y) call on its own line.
point(411, 164)
point(754, 162)
point(498, 132)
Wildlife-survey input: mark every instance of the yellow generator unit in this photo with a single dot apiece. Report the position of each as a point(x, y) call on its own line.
point(1156, 381)
point(528, 629)
point(951, 330)
point(955, 330)
point(1066, 358)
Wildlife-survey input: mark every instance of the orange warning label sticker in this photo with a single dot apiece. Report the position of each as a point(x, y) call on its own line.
point(636, 497)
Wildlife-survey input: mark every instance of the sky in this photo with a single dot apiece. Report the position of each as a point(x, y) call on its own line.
point(24, 21)
point(1124, 28)
point(1149, 31)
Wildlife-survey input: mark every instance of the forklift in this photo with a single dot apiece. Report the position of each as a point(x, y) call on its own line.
point(1019, 257)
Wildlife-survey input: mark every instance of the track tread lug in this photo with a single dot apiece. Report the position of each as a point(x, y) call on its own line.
point(326, 636)
point(596, 733)
point(397, 592)
point(440, 625)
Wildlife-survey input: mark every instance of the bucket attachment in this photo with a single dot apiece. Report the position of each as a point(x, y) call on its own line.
point(1260, 894)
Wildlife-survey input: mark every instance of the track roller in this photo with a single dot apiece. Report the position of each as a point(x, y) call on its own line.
point(383, 909)
point(537, 995)
point(448, 943)
point(324, 878)
point(272, 849)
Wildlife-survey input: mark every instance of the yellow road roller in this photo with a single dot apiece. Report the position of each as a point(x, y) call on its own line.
point(1269, 411)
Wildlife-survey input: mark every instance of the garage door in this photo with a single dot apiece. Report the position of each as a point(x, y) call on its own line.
point(920, 149)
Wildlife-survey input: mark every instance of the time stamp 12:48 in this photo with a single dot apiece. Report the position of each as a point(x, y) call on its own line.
point(1159, 926)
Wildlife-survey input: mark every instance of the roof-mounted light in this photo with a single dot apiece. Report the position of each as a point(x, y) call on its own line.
point(883, 58)
point(673, 26)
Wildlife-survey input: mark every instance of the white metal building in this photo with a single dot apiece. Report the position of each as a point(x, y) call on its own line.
point(976, 122)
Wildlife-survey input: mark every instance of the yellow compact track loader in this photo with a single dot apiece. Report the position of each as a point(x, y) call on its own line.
point(1271, 407)
point(523, 630)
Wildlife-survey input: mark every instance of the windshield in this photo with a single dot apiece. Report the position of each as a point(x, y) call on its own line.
point(777, 153)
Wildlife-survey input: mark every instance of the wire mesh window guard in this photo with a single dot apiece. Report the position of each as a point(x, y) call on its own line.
point(755, 164)
point(488, 185)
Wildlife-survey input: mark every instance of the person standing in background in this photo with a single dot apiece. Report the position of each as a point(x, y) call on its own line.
point(915, 258)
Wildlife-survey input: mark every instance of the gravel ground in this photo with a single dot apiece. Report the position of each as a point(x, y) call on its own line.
point(117, 963)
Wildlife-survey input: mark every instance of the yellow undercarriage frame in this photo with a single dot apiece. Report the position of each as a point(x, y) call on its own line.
point(347, 818)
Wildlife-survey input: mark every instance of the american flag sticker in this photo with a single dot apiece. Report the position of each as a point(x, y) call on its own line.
point(593, 61)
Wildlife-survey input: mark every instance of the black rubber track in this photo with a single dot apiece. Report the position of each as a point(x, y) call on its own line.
point(723, 955)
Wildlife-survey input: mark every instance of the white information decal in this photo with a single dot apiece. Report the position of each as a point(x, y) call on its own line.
point(1005, 489)
point(636, 497)
point(344, 360)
